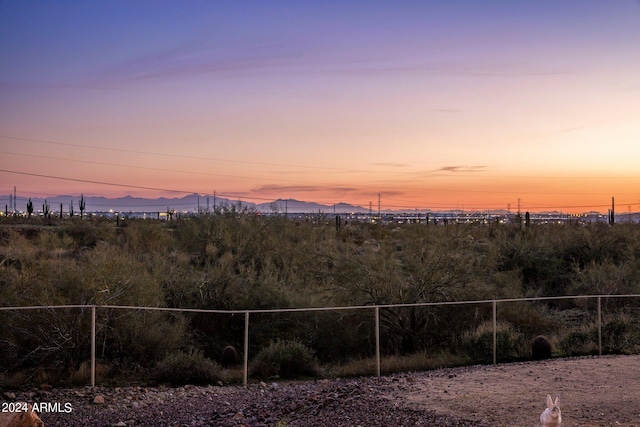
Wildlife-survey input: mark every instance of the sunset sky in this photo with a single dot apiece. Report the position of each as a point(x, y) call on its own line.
point(430, 104)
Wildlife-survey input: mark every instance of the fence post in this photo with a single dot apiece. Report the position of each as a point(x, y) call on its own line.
point(495, 333)
point(93, 346)
point(599, 325)
point(245, 373)
point(377, 313)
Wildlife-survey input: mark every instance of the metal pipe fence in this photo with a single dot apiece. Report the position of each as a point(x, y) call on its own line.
point(375, 309)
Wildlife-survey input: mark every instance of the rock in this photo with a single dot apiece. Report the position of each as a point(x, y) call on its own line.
point(46, 387)
point(10, 395)
point(99, 399)
point(120, 424)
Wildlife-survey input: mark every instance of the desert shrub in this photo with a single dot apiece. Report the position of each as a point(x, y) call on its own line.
point(117, 278)
point(87, 234)
point(82, 375)
point(620, 335)
point(420, 361)
point(53, 340)
point(537, 255)
point(134, 338)
point(579, 341)
point(597, 243)
point(351, 335)
point(143, 237)
point(574, 317)
point(528, 317)
point(191, 367)
point(285, 359)
point(510, 344)
point(606, 278)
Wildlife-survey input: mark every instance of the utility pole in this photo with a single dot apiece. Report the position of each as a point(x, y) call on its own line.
point(15, 202)
point(379, 206)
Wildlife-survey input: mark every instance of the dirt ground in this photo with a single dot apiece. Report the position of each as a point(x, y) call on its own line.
point(593, 391)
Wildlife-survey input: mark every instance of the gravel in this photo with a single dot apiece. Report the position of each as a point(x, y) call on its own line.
point(340, 402)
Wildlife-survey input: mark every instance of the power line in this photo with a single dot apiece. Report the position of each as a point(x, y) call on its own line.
point(144, 167)
point(95, 182)
point(138, 187)
point(182, 156)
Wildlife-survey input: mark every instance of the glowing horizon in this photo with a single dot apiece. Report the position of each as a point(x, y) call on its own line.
point(433, 106)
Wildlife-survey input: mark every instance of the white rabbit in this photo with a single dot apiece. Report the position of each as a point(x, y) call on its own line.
point(551, 416)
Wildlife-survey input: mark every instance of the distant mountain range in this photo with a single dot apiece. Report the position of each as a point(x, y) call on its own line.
point(190, 203)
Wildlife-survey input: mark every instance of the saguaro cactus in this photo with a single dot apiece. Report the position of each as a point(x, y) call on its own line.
point(29, 208)
point(81, 205)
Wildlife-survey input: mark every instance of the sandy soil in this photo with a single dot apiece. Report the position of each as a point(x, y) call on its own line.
point(599, 391)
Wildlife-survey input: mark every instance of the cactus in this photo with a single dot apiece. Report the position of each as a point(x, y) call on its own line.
point(612, 216)
point(71, 208)
point(45, 209)
point(541, 348)
point(29, 208)
point(229, 356)
point(81, 205)
point(527, 219)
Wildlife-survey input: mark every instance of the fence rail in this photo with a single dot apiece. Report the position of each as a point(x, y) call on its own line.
point(374, 308)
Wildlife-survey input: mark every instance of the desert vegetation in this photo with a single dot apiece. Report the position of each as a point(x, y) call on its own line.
point(236, 259)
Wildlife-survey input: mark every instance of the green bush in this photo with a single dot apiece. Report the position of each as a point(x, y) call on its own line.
point(620, 336)
point(478, 344)
point(179, 367)
point(285, 359)
point(140, 338)
point(579, 342)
